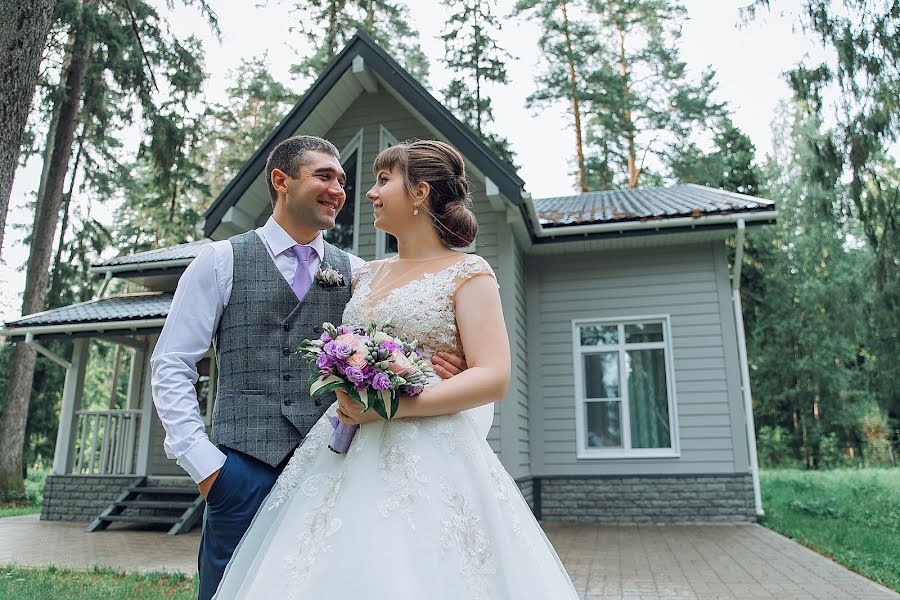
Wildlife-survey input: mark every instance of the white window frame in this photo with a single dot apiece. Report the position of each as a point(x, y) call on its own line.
point(582, 449)
point(355, 144)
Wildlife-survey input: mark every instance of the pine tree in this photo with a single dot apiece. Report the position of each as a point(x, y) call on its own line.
point(640, 102)
point(112, 52)
point(730, 165)
point(477, 62)
point(23, 34)
point(566, 45)
point(338, 20)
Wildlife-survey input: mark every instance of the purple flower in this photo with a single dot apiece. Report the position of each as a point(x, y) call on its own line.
point(389, 346)
point(324, 362)
point(355, 375)
point(343, 329)
point(380, 381)
point(342, 350)
point(325, 337)
point(328, 348)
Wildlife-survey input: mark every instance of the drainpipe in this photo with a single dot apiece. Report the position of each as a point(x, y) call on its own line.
point(106, 279)
point(742, 359)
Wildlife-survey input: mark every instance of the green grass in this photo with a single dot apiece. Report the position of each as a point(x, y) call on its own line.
point(15, 511)
point(27, 583)
point(28, 503)
point(849, 515)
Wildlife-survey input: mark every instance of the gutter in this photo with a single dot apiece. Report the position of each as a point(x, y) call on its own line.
point(651, 225)
point(742, 359)
point(38, 330)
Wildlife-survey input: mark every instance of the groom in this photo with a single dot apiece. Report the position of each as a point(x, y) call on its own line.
point(257, 295)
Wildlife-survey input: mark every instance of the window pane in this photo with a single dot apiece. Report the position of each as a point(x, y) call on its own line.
point(342, 234)
point(593, 335)
point(601, 375)
point(648, 400)
point(390, 244)
point(643, 332)
point(604, 424)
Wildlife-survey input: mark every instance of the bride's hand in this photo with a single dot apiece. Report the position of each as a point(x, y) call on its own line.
point(350, 412)
point(447, 365)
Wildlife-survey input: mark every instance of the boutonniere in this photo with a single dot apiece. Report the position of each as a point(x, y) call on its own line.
point(329, 276)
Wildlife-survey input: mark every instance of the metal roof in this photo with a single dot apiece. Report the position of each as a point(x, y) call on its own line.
point(688, 200)
point(181, 251)
point(115, 308)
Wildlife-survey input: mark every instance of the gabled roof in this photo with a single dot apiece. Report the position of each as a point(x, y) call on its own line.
point(115, 308)
point(456, 133)
point(644, 204)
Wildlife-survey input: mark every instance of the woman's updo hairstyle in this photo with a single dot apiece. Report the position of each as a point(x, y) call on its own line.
point(442, 168)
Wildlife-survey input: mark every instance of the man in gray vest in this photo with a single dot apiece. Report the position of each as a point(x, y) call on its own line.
point(258, 296)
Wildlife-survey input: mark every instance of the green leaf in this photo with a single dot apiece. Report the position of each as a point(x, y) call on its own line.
point(323, 386)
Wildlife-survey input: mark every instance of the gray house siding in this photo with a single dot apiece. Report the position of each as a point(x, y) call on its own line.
point(684, 282)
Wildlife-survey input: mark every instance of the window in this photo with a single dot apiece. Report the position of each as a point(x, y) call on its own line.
point(624, 389)
point(385, 243)
point(347, 222)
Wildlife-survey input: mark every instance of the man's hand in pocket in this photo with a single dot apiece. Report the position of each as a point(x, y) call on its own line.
point(206, 485)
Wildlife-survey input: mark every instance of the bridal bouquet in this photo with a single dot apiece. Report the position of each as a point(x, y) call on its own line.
point(374, 367)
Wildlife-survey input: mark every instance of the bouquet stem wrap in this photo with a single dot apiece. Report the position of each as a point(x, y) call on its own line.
point(342, 436)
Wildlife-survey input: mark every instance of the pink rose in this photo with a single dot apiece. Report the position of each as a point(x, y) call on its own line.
point(358, 360)
point(400, 365)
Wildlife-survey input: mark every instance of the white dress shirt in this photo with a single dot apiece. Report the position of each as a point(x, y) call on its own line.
point(202, 294)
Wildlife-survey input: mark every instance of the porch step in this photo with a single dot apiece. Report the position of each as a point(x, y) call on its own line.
point(192, 491)
point(155, 504)
point(141, 519)
point(184, 512)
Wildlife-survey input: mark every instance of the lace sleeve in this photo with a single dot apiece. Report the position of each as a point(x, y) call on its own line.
point(473, 266)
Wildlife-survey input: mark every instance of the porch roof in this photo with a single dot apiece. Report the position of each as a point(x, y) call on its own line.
point(128, 312)
point(646, 204)
point(150, 258)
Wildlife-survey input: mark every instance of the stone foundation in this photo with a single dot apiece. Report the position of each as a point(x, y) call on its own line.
point(80, 497)
point(645, 499)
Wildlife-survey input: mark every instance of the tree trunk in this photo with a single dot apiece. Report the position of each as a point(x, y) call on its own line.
point(633, 172)
point(23, 34)
point(46, 219)
point(67, 201)
point(576, 110)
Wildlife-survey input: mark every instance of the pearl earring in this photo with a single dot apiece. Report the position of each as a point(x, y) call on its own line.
point(416, 211)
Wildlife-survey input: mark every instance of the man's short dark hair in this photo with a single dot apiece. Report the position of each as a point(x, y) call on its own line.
point(291, 154)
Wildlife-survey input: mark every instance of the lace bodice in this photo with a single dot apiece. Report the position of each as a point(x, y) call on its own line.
point(422, 309)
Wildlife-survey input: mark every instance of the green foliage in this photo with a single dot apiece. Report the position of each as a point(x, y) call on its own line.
point(729, 166)
point(477, 63)
point(327, 25)
point(851, 516)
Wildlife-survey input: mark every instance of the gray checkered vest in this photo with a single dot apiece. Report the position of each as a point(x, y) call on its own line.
point(263, 407)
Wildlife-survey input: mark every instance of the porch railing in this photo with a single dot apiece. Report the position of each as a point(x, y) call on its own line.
point(106, 442)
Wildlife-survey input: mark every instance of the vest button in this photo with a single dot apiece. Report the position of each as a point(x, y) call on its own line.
point(285, 351)
point(318, 402)
point(287, 402)
point(317, 329)
point(286, 376)
point(286, 326)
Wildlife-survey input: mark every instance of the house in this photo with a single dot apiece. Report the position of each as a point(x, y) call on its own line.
point(630, 398)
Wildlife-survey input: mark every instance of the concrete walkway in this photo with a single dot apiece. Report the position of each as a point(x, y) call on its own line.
point(641, 562)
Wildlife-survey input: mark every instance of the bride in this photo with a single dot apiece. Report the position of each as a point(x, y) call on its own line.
point(420, 504)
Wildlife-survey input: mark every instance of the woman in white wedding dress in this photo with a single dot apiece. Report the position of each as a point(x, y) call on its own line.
point(419, 505)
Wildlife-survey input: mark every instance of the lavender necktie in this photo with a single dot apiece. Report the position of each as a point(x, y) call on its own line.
point(302, 276)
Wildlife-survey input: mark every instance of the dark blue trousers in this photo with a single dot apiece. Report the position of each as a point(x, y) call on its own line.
point(236, 494)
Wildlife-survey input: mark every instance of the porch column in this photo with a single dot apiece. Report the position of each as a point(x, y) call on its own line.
point(71, 401)
point(135, 380)
point(146, 405)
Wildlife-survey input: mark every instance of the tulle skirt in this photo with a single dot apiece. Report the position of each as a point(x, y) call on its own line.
point(416, 508)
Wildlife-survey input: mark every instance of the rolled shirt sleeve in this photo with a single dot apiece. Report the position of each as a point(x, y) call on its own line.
point(185, 339)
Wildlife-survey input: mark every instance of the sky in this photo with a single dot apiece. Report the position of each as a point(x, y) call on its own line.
point(749, 62)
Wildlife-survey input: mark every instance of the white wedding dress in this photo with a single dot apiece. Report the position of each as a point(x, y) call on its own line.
point(417, 508)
